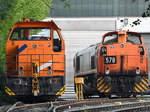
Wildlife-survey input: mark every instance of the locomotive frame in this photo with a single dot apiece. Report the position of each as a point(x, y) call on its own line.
point(35, 61)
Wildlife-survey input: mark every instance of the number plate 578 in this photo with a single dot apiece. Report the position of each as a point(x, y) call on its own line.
point(110, 60)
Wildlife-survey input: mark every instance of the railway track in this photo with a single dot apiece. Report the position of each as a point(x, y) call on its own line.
point(129, 107)
point(125, 107)
point(59, 106)
point(4, 108)
point(20, 107)
point(75, 106)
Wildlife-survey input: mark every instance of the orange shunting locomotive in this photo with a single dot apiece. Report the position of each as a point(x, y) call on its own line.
point(35, 54)
point(118, 65)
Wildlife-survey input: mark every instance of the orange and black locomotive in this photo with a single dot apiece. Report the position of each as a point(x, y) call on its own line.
point(35, 56)
point(118, 65)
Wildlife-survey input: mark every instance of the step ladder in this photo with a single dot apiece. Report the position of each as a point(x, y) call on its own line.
point(79, 82)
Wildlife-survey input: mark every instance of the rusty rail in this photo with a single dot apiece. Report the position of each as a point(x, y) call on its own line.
point(98, 104)
point(89, 102)
point(22, 107)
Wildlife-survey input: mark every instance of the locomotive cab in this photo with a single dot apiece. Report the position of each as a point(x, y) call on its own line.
point(35, 53)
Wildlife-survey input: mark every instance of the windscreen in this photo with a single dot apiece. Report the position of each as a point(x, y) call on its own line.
point(110, 39)
point(134, 38)
point(31, 34)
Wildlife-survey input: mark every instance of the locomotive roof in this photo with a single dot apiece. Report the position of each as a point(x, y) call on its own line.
point(121, 31)
point(87, 48)
point(37, 24)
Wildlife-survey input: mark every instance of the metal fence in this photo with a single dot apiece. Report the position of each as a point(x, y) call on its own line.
point(46, 67)
point(99, 8)
point(46, 63)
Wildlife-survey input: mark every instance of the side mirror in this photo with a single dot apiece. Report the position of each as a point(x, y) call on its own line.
point(57, 45)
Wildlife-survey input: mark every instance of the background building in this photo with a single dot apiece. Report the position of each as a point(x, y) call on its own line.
point(99, 8)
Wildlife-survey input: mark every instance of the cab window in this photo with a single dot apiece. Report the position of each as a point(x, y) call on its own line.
point(77, 64)
point(110, 39)
point(134, 38)
point(56, 41)
point(31, 34)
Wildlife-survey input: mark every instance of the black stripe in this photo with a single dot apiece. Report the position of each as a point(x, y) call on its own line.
point(106, 83)
point(101, 84)
point(145, 87)
point(145, 80)
point(102, 87)
point(144, 84)
point(100, 80)
point(107, 87)
point(139, 89)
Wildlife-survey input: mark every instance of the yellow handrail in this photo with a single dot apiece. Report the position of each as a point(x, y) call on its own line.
point(79, 82)
point(35, 81)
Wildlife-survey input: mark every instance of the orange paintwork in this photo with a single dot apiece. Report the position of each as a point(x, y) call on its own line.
point(42, 54)
point(131, 53)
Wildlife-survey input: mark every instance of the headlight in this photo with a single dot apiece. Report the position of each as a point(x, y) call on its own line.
point(107, 70)
point(137, 70)
point(20, 70)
